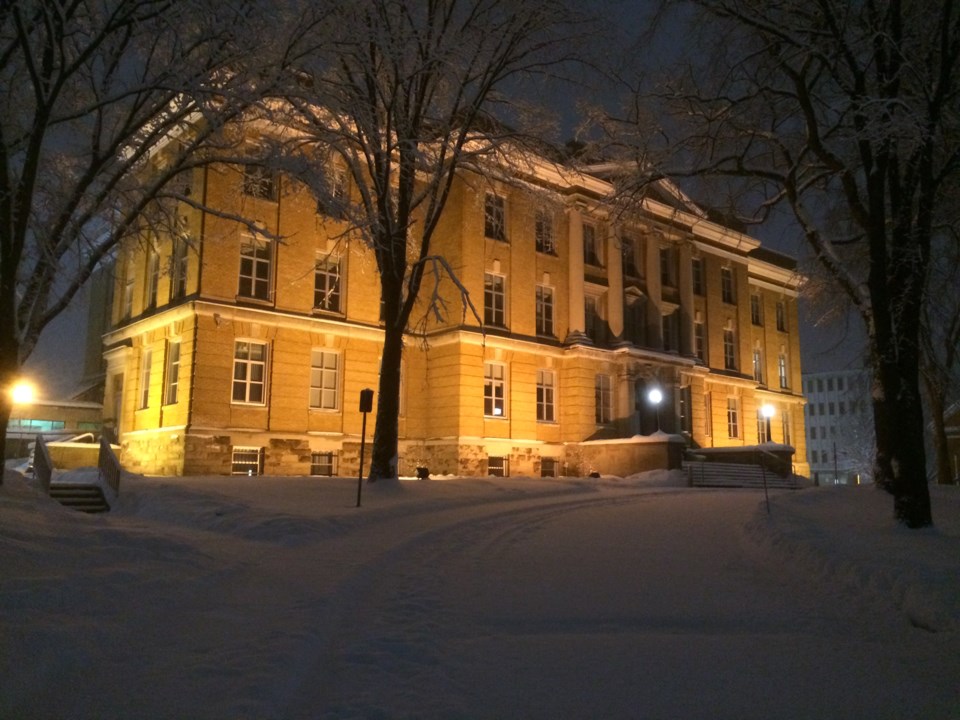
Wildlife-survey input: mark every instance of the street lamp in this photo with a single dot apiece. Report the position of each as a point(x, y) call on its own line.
point(656, 397)
point(768, 411)
point(21, 393)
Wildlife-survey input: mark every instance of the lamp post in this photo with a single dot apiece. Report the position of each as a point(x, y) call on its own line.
point(768, 411)
point(656, 397)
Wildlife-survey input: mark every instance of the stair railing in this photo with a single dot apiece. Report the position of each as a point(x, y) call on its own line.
point(42, 465)
point(108, 465)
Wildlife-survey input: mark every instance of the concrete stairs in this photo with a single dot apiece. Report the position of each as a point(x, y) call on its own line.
point(716, 474)
point(83, 497)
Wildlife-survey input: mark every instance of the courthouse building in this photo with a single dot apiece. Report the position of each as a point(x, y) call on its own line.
point(232, 352)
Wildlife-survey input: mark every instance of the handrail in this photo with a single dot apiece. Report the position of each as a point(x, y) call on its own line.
point(42, 464)
point(109, 465)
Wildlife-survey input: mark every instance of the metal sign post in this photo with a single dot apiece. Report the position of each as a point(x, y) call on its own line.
point(366, 405)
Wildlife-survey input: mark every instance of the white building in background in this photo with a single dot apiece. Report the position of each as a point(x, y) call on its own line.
point(839, 424)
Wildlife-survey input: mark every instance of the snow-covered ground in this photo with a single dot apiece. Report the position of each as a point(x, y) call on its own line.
point(265, 597)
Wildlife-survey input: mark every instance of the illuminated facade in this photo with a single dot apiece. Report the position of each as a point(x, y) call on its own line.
point(234, 353)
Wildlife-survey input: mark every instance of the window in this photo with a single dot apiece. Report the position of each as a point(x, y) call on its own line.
point(548, 467)
point(494, 390)
point(493, 300)
point(829, 384)
point(634, 319)
point(727, 291)
point(546, 383)
point(632, 262)
point(787, 435)
point(603, 397)
point(152, 277)
point(699, 341)
point(129, 279)
point(670, 331)
point(842, 407)
point(756, 315)
point(813, 432)
point(839, 383)
point(819, 384)
point(246, 460)
point(178, 269)
point(323, 463)
point(781, 317)
point(249, 372)
point(668, 267)
point(498, 466)
point(334, 203)
point(733, 418)
point(324, 379)
point(494, 217)
point(699, 286)
point(813, 409)
point(729, 350)
point(761, 428)
point(259, 182)
point(544, 310)
point(758, 365)
point(592, 319)
point(831, 408)
point(172, 376)
point(326, 285)
point(146, 360)
point(782, 371)
point(255, 260)
point(543, 229)
point(820, 410)
point(686, 409)
point(591, 248)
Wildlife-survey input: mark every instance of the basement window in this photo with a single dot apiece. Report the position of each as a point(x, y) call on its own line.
point(498, 466)
point(323, 464)
point(246, 460)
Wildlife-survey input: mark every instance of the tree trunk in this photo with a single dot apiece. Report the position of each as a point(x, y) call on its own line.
point(940, 447)
point(8, 376)
point(383, 461)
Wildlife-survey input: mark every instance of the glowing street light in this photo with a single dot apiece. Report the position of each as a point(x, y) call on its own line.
point(656, 397)
point(22, 393)
point(768, 411)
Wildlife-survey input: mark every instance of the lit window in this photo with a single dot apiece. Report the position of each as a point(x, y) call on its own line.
point(603, 399)
point(758, 365)
point(727, 293)
point(172, 377)
point(544, 310)
point(494, 217)
point(129, 280)
point(494, 310)
point(326, 285)
point(249, 372)
point(324, 379)
point(546, 384)
point(761, 428)
point(494, 390)
point(255, 261)
point(782, 371)
point(543, 230)
point(246, 460)
point(733, 418)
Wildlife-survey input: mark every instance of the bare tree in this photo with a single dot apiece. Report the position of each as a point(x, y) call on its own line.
point(403, 96)
point(105, 102)
point(840, 109)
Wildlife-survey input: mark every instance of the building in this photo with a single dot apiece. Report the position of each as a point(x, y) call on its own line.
point(839, 426)
point(229, 352)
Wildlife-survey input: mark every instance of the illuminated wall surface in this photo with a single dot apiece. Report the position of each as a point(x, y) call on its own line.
point(232, 353)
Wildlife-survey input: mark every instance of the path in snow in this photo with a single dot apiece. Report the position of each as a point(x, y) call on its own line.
point(622, 605)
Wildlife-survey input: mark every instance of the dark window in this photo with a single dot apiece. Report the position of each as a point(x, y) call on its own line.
point(494, 217)
point(259, 182)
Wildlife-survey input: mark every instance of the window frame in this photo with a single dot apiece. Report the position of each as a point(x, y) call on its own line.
point(592, 252)
point(543, 230)
point(146, 366)
point(249, 364)
point(494, 289)
point(729, 349)
point(151, 277)
point(697, 277)
point(495, 217)
point(545, 311)
point(782, 372)
point(255, 253)
point(494, 378)
point(171, 375)
point(260, 182)
point(331, 462)
point(320, 391)
point(546, 395)
point(758, 365)
point(733, 418)
point(756, 310)
point(781, 316)
point(179, 265)
point(603, 398)
point(327, 266)
point(728, 287)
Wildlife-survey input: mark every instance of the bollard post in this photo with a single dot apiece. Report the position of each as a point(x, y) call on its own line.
point(366, 405)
